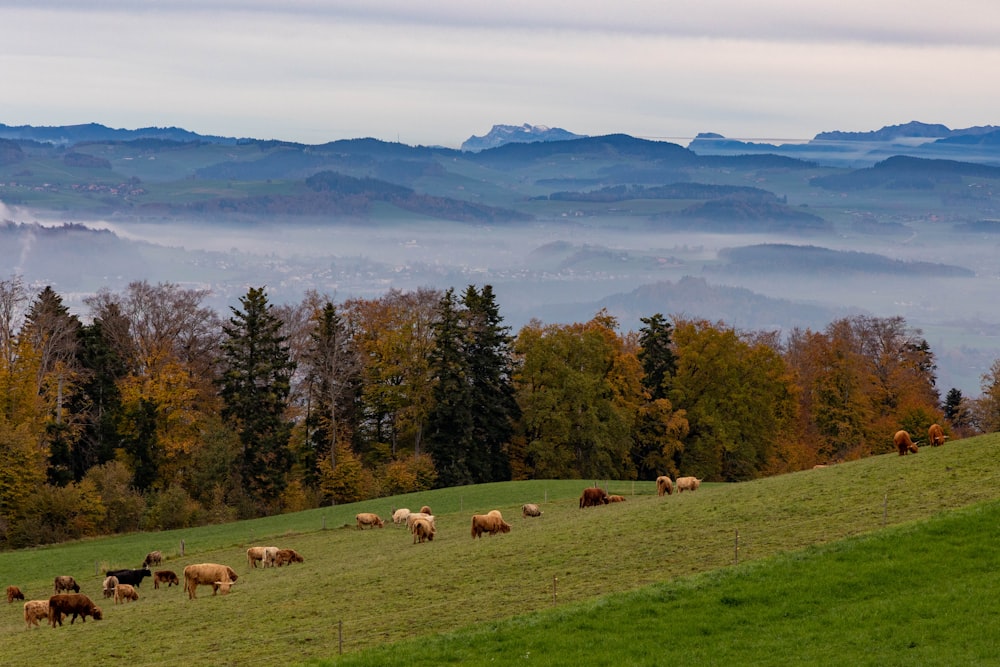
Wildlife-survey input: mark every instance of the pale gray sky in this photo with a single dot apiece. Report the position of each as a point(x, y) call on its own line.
point(438, 72)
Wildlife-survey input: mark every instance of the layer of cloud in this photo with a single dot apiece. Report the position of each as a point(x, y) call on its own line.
point(315, 71)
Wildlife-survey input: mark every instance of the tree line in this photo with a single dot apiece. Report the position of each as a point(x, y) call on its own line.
point(155, 412)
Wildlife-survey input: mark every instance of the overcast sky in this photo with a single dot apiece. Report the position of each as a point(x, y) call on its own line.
point(438, 72)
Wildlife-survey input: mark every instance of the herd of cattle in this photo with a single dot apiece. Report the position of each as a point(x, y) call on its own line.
point(122, 585)
point(905, 445)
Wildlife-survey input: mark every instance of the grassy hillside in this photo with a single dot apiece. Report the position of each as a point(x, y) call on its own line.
point(378, 587)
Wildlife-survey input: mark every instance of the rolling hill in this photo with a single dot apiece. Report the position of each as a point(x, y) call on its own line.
point(373, 587)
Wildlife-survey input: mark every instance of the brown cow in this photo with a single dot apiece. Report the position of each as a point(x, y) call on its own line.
point(593, 496)
point(616, 499)
point(422, 530)
point(426, 510)
point(903, 443)
point(486, 523)
point(255, 554)
point(530, 509)
point(65, 583)
point(688, 484)
point(664, 485)
point(368, 519)
point(14, 593)
point(76, 604)
point(108, 588)
point(935, 435)
point(124, 593)
point(152, 558)
point(34, 611)
point(208, 574)
point(287, 557)
point(168, 577)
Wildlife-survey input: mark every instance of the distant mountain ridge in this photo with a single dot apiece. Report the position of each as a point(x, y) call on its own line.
point(66, 135)
point(509, 134)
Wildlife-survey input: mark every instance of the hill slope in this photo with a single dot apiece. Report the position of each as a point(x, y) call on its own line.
point(383, 588)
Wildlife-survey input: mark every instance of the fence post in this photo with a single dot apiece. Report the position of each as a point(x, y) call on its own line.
point(340, 637)
point(885, 508)
point(182, 547)
point(555, 579)
point(736, 550)
point(324, 522)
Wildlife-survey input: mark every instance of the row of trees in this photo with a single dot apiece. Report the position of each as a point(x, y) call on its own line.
point(157, 413)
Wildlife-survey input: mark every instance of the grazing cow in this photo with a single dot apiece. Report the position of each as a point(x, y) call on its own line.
point(413, 516)
point(14, 593)
point(664, 486)
point(76, 604)
point(593, 496)
point(270, 553)
point(935, 435)
point(422, 529)
point(287, 557)
point(485, 523)
point(530, 509)
point(152, 558)
point(688, 484)
point(208, 574)
point(168, 577)
point(426, 510)
point(130, 577)
point(255, 555)
point(368, 519)
point(109, 586)
point(124, 593)
point(903, 443)
point(34, 611)
point(616, 499)
point(399, 516)
point(65, 583)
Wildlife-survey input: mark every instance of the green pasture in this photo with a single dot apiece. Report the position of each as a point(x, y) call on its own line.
point(730, 571)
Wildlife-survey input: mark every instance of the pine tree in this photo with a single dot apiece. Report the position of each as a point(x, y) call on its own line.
point(254, 386)
point(656, 355)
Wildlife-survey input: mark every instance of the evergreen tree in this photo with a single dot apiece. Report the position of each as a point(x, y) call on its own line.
point(953, 405)
point(495, 408)
point(656, 355)
point(254, 385)
point(98, 401)
point(474, 411)
point(450, 423)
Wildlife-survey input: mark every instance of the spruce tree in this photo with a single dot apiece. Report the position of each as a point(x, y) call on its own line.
point(254, 386)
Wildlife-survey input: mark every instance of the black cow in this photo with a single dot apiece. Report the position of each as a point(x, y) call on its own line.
point(131, 577)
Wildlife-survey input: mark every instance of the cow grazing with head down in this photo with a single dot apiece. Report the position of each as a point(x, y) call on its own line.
point(75, 604)
point(593, 496)
point(152, 558)
point(14, 593)
point(399, 516)
point(168, 577)
point(270, 553)
point(903, 443)
point(208, 574)
point(664, 486)
point(530, 509)
point(65, 583)
point(419, 515)
point(935, 435)
point(488, 523)
point(125, 593)
point(287, 557)
point(108, 588)
point(34, 611)
point(423, 530)
point(688, 484)
point(255, 555)
point(368, 519)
